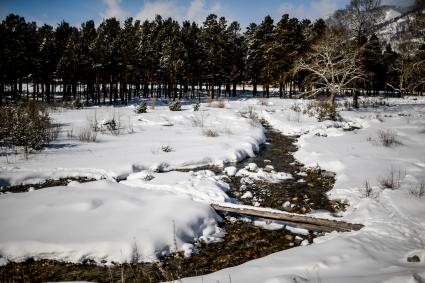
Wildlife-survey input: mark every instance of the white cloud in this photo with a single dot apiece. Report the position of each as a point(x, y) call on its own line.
point(398, 2)
point(164, 8)
point(196, 11)
point(196, 8)
point(313, 10)
point(114, 9)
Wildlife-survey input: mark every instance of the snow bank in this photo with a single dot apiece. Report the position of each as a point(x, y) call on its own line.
point(102, 220)
point(199, 186)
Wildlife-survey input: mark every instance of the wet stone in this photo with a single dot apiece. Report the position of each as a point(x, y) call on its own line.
point(414, 258)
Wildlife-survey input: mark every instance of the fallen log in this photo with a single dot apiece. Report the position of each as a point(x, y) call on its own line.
point(307, 222)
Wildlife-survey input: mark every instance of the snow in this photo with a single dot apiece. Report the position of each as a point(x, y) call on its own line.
point(139, 146)
point(262, 175)
point(199, 186)
point(230, 171)
point(102, 221)
point(107, 219)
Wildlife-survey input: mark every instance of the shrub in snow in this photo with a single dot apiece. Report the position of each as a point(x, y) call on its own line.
point(368, 191)
point(388, 138)
point(141, 108)
point(76, 104)
point(113, 126)
point(326, 111)
point(418, 191)
point(87, 135)
point(175, 106)
point(252, 114)
point(295, 107)
point(392, 181)
point(27, 126)
point(166, 148)
point(148, 177)
point(196, 107)
point(211, 133)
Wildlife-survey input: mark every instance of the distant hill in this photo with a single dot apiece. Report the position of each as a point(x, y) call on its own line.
point(396, 25)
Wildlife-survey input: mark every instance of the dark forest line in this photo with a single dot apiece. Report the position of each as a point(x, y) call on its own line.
point(116, 62)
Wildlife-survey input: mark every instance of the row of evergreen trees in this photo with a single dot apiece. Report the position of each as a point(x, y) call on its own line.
point(162, 58)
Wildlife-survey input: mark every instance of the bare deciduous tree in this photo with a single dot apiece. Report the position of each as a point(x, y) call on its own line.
point(361, 16)
point(411, 71)
point(332, 66)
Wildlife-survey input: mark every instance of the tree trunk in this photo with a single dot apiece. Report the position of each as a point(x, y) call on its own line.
point(316, 223)
point(280, 90)
point(227, 89)
point(356, 99)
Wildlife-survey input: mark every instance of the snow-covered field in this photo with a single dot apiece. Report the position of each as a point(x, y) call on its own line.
point(109, 221)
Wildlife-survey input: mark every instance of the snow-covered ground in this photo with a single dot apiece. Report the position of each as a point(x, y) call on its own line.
point(160, 139)
point(154, 213)
point(105, 220)
point(394, 219)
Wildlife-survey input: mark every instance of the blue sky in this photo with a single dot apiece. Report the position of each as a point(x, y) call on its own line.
point(245, 11)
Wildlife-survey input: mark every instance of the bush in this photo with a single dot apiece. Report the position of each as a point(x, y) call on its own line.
point(167, 148)
point(251, 114)
point(26, 126)
point(142, 108)
point(388, 138)
point(326, 111)
point(76, 104)
point(211, 133)
point(418, 191)
point(113, 126)
point(392, 181)
point(196, 107)
point(175, 106)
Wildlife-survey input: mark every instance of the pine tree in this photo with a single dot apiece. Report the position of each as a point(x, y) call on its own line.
point(87, 65)
point(254, 59)
point(45, 60)
point(265, 34)
point(235, 53)
point(213, 37)
point(373, 64)
point(108, 55)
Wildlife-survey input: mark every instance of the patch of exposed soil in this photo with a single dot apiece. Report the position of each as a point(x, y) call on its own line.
point(46, 184)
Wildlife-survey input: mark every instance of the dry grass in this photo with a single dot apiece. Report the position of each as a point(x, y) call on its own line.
point(151, 105)
point(211, 133)
point(388, 138)
point(216, 104)
point(251, 114)
point(54, 131)
point(392, 181)
point(87, 135)
point(199, 119)
point(368, 191)
point(418, 191)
